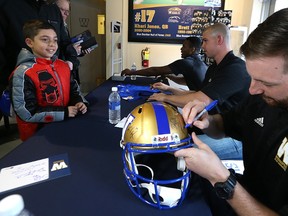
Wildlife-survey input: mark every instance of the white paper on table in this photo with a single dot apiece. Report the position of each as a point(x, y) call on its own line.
point(176, 85)
point(24, 174)
point(34, 172)
point(237, 165)
point(179, 86)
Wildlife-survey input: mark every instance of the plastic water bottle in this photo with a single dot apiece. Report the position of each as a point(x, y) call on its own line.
point(133, 69)
point(114, 106)
point(13, 205)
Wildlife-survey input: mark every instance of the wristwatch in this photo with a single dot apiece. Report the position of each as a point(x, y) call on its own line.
point(225, 190)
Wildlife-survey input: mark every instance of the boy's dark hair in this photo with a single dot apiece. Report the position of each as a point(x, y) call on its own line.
point(195, 42)
point(32, 27)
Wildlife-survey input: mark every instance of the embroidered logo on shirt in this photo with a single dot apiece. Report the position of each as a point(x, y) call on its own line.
point(260, 121)
point(282, 154)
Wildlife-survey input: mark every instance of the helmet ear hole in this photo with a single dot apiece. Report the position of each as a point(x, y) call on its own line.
point(140, 110)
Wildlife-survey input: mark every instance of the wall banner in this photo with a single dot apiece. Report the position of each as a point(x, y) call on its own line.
point(170, 21)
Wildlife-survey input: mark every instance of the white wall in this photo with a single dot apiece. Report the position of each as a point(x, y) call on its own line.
point(161, 54)
point(114, 12)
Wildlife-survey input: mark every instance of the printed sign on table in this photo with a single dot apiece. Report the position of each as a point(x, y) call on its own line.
point(34, 172)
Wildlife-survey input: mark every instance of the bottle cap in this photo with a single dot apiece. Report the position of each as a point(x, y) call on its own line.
point(11, 205)
point(114, 89)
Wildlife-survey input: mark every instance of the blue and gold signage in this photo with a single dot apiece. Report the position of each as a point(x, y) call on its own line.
point(163, 21)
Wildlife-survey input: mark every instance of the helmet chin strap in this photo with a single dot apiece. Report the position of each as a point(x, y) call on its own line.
point(167, 196)
point(181, 165)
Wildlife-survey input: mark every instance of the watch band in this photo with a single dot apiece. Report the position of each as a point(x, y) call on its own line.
point(225, 190)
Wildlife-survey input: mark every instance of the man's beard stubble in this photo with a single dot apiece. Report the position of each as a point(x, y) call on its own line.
point(276, 103)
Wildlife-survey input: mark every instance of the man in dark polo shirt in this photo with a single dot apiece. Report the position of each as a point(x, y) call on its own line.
point(190, 66)
point(226, 80)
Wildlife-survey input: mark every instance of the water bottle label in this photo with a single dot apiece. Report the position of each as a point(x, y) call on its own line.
point(114, 105)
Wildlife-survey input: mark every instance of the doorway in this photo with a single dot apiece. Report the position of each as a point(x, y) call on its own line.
point(83, 16)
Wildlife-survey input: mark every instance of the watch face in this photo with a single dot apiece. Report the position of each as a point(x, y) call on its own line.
point(225, 190)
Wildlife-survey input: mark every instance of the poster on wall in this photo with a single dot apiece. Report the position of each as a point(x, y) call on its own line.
point(170, 21)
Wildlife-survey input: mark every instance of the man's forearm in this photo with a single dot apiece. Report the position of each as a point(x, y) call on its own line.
point(180, 100)
point(177, 100)
point(154, 71)
point(177, 91)
point(244, 204)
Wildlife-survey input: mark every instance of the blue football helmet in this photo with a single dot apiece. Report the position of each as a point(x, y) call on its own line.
point(152, 133)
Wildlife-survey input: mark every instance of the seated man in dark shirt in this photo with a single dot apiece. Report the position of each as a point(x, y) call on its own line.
point(226, 80)
point(190, 66)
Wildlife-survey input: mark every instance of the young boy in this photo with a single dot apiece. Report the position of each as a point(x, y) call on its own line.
point(41, 86)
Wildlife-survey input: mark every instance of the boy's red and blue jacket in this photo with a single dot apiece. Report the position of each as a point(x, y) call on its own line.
point(41, 91)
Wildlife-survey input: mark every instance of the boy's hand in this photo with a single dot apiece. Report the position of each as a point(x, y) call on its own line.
point(81, 107)
point(72, 111)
